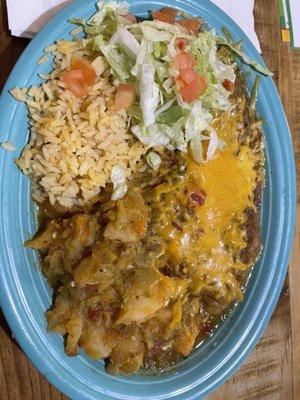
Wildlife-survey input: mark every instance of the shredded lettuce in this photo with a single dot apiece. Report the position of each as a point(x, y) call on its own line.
point(236, 48)
point(214, 144)
point(160, 49)
point(116, 60)
point(171, 115)
point(77, 21)
point(162, 26)
point(158, 134)
point(197, 130)
point(108, 11)
point(153, 160)
point(221, 70)
point(196, 147)
point(149, 94)
point(182, 103)
point(106, 21)
point(161, 70)
point(171, 49)
point(204, 49)
point(165, 106)
point(153, 135)
point(167, 85)
point(246, 59)
point(118, 179)
point(217, 97)
point(184, 14)
point(135, 112)
point(107, 29)
point(143, 54)
point(97, 41)
point(127, 39)
point(178, 140)
point(197, 121)
point(156, 35)
point(253, 97)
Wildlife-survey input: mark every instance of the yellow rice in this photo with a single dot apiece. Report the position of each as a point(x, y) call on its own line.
point(74, 142)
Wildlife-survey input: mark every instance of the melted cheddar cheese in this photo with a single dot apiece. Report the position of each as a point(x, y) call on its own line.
point(210, 237)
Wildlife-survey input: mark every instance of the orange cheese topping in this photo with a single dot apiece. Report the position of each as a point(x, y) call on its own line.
point(213, 239)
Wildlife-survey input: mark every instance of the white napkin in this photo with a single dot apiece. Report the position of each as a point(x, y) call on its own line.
point(26, 17)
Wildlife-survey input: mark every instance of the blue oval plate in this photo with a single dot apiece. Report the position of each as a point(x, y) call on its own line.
point(25, 295)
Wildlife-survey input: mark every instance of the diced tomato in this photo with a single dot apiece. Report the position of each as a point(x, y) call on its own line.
point(157, 348)
point(130, 17)
point(96, 314)
point(180, 81)
point(160, 16)
point(89, 74)
point(180, 43)
point(192, 24)
point(183, 28)
point(193, 90)
point(125, 95)
point(170, 11)
point(228, 85)
point(198, 196)
point(77, 90)
point(184, 60)
point(207, 328)
point(81, 73)
point(166, 14)
point(74, 76)
point(90, 288)
point(188, 75)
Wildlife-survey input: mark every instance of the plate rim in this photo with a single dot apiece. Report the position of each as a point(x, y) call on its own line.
point(6, 302)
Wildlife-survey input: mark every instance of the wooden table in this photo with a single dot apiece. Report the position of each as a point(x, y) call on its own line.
point(272, 371)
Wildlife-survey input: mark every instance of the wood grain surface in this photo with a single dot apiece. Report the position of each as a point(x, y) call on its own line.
point(272, 371)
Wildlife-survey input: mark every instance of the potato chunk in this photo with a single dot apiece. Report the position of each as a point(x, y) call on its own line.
point(149, 291)
point(131, 219)
point(127, 356)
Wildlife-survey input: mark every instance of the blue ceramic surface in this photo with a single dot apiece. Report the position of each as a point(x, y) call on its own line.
point(24, 294)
